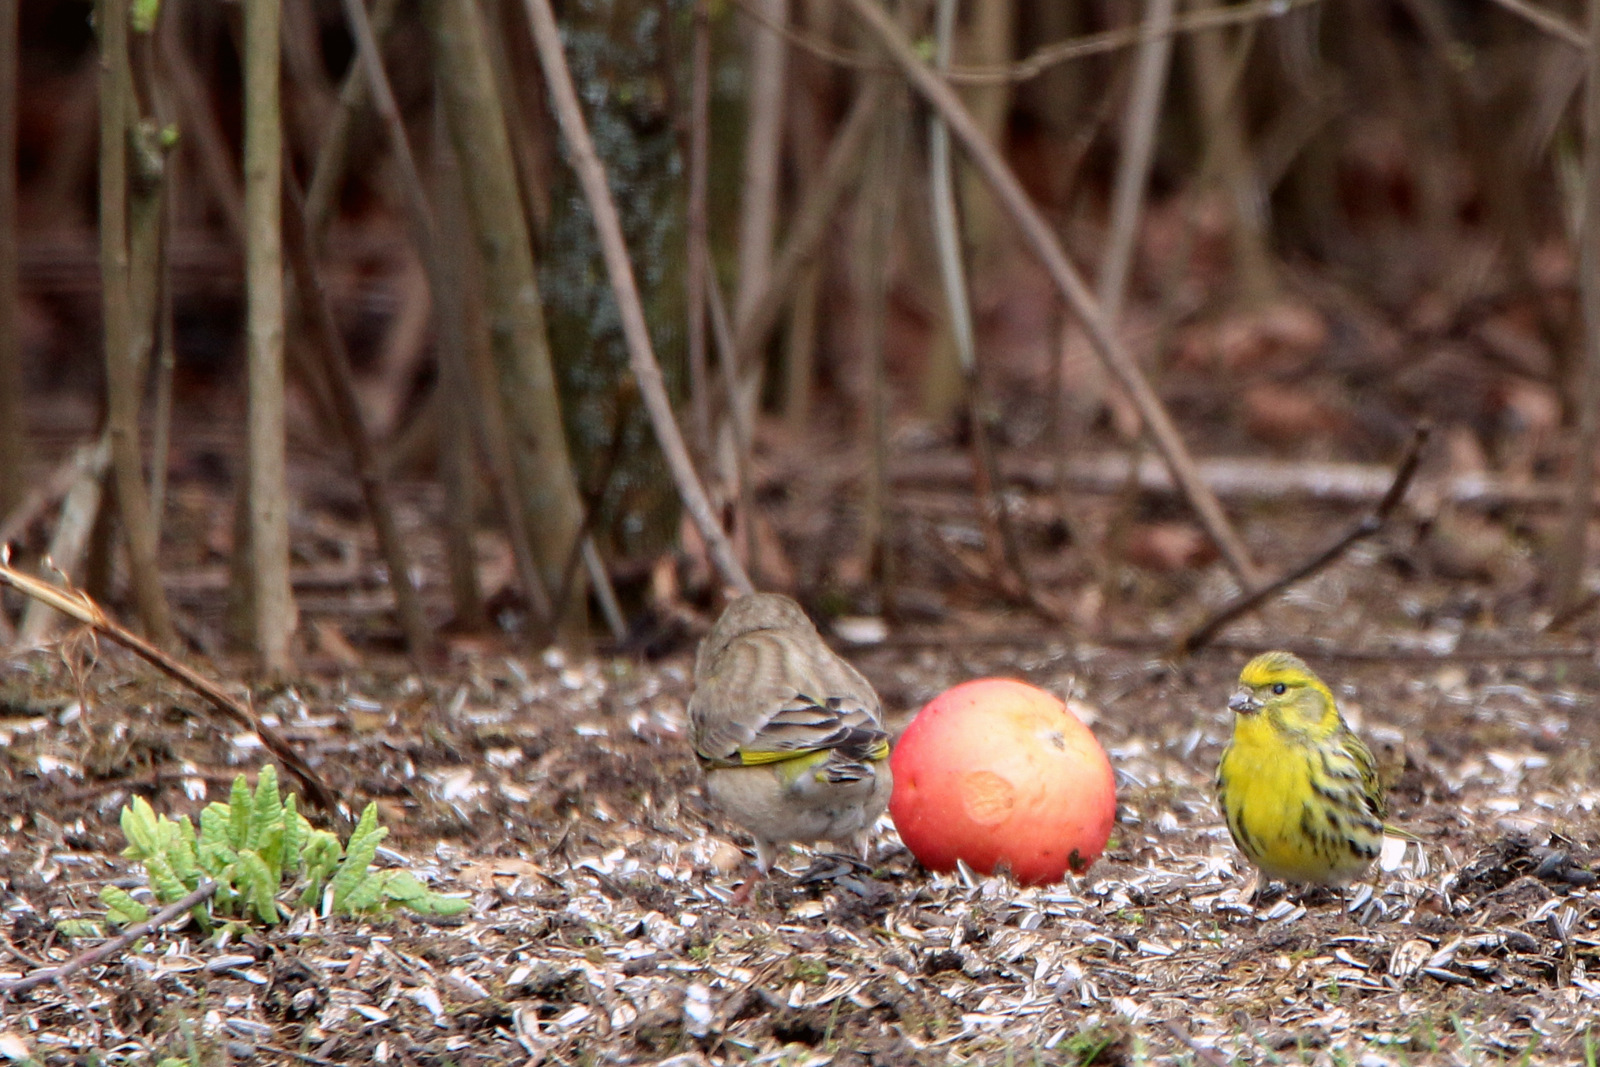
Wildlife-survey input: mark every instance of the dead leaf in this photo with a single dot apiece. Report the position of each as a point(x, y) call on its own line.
point(331, 642)
point(1288, 415)
point(1167, 546)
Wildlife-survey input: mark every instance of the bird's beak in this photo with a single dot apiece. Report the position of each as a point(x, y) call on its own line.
point(1244, 702)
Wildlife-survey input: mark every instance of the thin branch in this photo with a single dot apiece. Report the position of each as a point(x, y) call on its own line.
point(480, 408)
point(738, 422)
point(1209, 1055)
point(604, 593)
point(1568, 615)
point(13, 426)
point(1554, 25)
point(371, 62)
point(1041, 237)
point(80, 606)
point(270, 599)
point(89, 459)
point(334, 152)
point(876, 208)
point(593, 499)
point(763, 145)
point(165, 356)
point(124, 387)
point(317, 309)
point(1039, 637)
point(83, 513)
point(457, 464)
point(110, 948)
point(812, 221)
point(201, 128)
point(1241, 480)
point(528, 403)
point(1369, 525)
point(646, 370)
point(1138, 149)
point(1078, 47)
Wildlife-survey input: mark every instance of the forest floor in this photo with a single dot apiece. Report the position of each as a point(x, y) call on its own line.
point(560, 793)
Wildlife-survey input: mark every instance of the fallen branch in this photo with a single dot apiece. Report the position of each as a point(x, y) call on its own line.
point(1319, 650)
point(110, 948)
point(1369, 525)
point(78, 605)
point(1237, 480)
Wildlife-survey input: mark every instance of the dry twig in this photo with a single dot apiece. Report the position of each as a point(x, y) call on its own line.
point(1553, 24)
point(1369, 525)
point(78, 605)
point(1210, 1055)
point(87, 460)
point(110, 948)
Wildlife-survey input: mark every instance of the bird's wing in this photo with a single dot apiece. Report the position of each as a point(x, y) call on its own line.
point(1367, 766)
point(772, 697)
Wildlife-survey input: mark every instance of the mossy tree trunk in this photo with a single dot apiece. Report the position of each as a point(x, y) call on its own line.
point(622, 54)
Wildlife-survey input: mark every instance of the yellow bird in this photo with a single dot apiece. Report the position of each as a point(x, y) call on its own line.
point(789, 735)
point(1299, 789)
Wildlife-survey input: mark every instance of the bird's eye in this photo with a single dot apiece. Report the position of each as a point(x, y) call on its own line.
point(1278, 689)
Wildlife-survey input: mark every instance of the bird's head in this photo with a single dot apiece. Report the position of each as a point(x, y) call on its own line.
point(1281, 686)
point(752, 612)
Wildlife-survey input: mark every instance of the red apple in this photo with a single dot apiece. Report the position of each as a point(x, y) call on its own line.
point(1000, 774)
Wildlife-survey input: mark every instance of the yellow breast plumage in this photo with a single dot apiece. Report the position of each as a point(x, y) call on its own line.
point(1298, 788)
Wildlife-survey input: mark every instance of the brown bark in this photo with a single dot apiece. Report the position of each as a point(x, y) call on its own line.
point(272, 609)
point(758, 200)
point(1573, 552)
point(541, 464)
point(641, 355)
point(123, 383)
point(13, 431)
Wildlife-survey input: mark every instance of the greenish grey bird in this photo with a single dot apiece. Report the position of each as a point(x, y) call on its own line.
point(789, 735)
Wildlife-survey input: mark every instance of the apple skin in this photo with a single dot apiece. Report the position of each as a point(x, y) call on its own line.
point(1000, 774)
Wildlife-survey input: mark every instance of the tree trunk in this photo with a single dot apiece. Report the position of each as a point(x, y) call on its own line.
point(13, 431)
point(123, 384)
point(267, 487)
point(1568, 571)
point(763, 145)
point(542, 465)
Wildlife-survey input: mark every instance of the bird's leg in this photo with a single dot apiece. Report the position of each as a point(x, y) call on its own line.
point(741, 896)
point(766, 856)
point(862, 843)
point(1257, 889)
